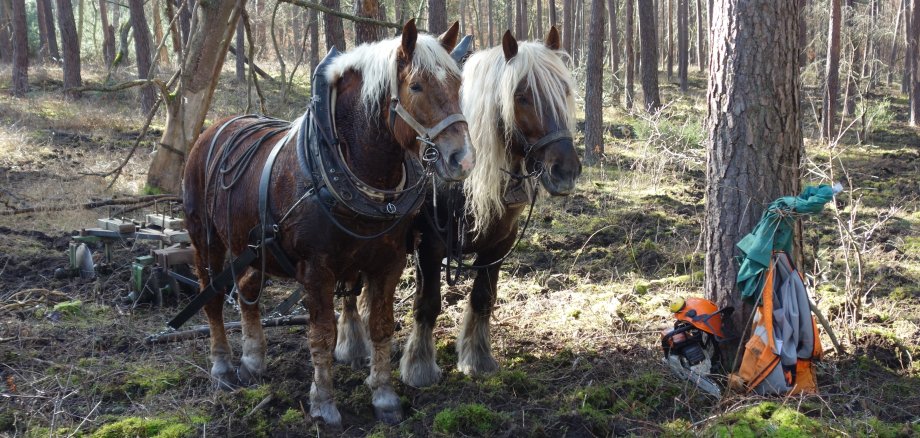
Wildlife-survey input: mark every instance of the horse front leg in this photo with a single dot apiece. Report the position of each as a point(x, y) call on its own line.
point(380, 291)
point(474, 345)
point(252, 363)
point(319, 285)
point(418, 366)
point(210, 258)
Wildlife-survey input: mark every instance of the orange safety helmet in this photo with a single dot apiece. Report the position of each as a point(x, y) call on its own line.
point(702, 314)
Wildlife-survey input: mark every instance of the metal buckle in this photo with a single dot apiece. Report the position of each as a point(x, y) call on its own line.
point(391, 209)
point(431, 153)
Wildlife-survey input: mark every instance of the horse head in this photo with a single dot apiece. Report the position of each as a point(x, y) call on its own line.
point(543, 113)
point(424, 111)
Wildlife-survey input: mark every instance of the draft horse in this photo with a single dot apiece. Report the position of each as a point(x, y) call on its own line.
point(328, 195)
point(518, 99)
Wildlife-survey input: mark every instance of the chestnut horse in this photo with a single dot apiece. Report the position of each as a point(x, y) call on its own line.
point(382, 96)
point(520, 104)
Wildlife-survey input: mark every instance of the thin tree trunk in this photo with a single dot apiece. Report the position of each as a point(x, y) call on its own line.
point(539, 30)
point(185, 20)
point(568, 23)
point(579, 31)
point(6, 31)
point(594, 83)
point(335, 32)
point(755, 134)
point(108, 34)
point(803, 34)
point(44, 52)
point(833, 71)
point(148, 93)
point(915, 77)
point(313, 18)
point(894, 42)
point(630, 53)
point(909, 52)
point(700, 62)
point(649, 55)
point(854, 72)
point(69, 42)
point(175, 37)
point(509, 15)
point(614, 38)
point(491, 23)
point(240, 50)
point(52, 32)
point(20, 43)
point(437, 16)
point(162, 54)
point(683, 42)
point(552, 13)
point(186, 112)
point(670, 20)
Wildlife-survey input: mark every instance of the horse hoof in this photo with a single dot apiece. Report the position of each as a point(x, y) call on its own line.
point(247, 377)
point(328, 413)
point(420, 375)
point(224, 378)
point(478, 367)
point(389, 416)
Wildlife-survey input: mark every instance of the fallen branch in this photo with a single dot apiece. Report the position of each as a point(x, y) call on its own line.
point(204, 331)
point(255, 67)
point(164, 91)
point(355, 18)
point(92, 205)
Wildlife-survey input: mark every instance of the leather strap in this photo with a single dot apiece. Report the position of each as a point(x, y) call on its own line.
point(425, 134)
point(217, 285)
point(562, 134)
point(269, 227)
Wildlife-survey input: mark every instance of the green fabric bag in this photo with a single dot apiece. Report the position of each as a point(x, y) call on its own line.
point(774, 232)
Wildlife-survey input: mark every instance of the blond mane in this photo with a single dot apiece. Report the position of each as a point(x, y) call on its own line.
point(377, 64)
point(487, 100)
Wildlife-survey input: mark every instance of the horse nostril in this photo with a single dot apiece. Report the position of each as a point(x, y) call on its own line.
point(456, 159)
point(555, 170)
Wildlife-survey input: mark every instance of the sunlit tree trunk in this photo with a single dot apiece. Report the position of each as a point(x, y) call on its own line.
point(594, 82)
point(908, 54)
point(52, 32)
point(186, 112)
point(649, 56)
point(313, 23)
point(755, 135)
point(174, 34)
point(335, 33)
point(700, 53)
point(365, 33)
point(539, 29)
point(832, 72)
point(915, 77)
point(69, 43)
point(148, 93)
point(162, 54)
point(492, 21)
point(630, 53)
point(683, 43)
point(6, 45)
point(567, 24)
point(108, 34)
point(614, 37)
point(20, 43)
point(669, 19)
point(894, 41)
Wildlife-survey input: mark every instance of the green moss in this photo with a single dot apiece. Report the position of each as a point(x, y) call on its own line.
point(144, 428)
point(469, 419)
point(252, 396)
point(768, 419)
point(151, 190)
point(516, 381)
point(69, 308)
point(290, 417)
point(148, 380)
point(679, 428)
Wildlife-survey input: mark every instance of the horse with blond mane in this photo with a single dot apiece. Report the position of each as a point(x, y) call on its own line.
point(519, 103)
point(331, 194)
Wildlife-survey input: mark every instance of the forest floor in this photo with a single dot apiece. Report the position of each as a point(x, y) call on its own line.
point(576, 330)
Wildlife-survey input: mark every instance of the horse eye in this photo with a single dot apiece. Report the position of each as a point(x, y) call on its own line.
point(415, 87)
point(520, 99)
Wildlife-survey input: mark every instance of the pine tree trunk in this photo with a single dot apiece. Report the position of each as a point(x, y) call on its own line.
point(6, 45)
point(579, 31)
point(894, 41)
point(44, 52)
point(437, 16)
point(81, 4)
point(552, 13)
point(240, 61)
point(200, 70)
point(700, 53)
point(162, 54)
point(915, 77)
point(491, 23)
point(853, 73)
point(670, 39)
point(108, 34)
point(614, 38)
point(649, 56)
point(52, 33)
point(69, 43)
point(683, 43)
point(313, 18)
point(803, 33)
point(148, 93)
point(755, 134)
point(909, 54)
point(525, 19)
point(594, 83)
point(20, 43)
point(185, 20)
point(833, 72)
point(539, 30)
point(174, 35)
point(630, 53)
point(335, 33)
point(365, 33)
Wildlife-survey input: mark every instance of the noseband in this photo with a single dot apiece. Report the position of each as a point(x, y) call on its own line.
point(546, 140)
point(425, 135)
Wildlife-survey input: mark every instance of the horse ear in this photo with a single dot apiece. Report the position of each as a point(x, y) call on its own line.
point(409, 36)
point(509, 45)
point(552, 39)
point(449, 39)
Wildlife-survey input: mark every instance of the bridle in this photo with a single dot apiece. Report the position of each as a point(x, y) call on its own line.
point(425, 135)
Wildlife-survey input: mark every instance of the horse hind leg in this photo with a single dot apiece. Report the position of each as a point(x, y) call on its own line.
point(418, 366)
point(352, 343)
point(474, 346)
point(252, 362)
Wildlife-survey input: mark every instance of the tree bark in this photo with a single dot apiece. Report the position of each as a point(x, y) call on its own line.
point(649, 56)
point(670, 39)
point(567, 24)
point(539, 30)
point(700, 53)
point(186, 112)
point(855, 71)
point(594, 83)
point(683, 43)
point(162, 54)
point(755, 135)
point(69, 42)
point(832, 72)
point(894, 41)
point(52, 33)
point(6, 31)
point(44, 52)
point(492, 21)
point(108, 34)
point(803, 34)
point(335, 32)
point(314, 39)
point(20, 43)
point(909, 54)
point(174, 35)
point(915, 77)
point(614, 37)
point(437, 16)
point(240, 50)
point(630, 53)
point(578, 31)
point(185, 20)
point(364, 32)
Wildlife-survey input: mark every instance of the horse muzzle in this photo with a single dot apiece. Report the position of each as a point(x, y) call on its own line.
point(559, 180)
point(457, 164)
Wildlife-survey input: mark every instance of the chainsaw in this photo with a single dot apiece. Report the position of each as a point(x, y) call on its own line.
point(691, 347)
